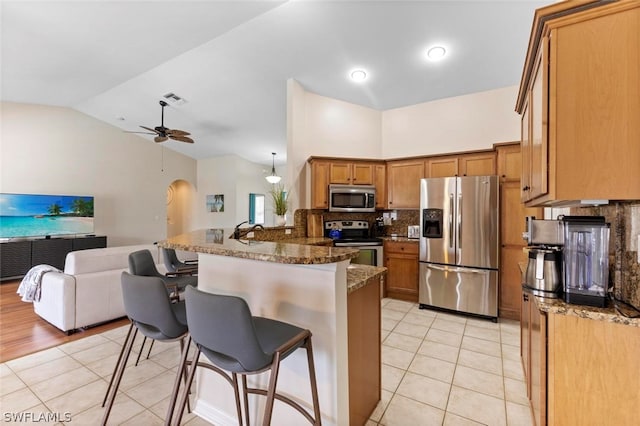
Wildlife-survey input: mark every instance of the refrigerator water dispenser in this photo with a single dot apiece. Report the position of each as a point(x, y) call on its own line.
point(432, 223)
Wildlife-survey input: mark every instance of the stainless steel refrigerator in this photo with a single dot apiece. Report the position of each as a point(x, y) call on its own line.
point(459, 244)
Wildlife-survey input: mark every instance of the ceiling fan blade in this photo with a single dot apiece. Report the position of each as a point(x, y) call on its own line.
point(155, 132)
point(176, 132)
point(160, 138)
point(181, 138)
point(140, 133)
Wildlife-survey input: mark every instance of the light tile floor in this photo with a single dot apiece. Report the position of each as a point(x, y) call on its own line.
point(438, 369)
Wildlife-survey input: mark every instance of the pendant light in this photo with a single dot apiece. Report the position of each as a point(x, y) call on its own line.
point(273, 177)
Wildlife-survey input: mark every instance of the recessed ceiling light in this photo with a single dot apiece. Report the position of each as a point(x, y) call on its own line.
point(436, 53)
point(358, 75)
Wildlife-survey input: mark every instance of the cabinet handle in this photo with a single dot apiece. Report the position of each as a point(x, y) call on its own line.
point(526, 188)
point(525, 297)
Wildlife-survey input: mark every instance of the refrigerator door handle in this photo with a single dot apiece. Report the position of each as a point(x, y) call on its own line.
point(455, 269)
point(451, 220)
point(459, 233)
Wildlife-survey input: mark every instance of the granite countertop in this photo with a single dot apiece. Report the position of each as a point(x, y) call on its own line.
point(217, 241)
point(402, 238)
point(609, 314)
point(359, 276)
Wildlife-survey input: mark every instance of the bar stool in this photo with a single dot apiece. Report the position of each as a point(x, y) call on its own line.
point(151, 312)
point(224, 330)
point(177, 267)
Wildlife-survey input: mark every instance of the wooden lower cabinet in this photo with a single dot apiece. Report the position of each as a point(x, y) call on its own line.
point(401, 261)
point(365, 376)
point(579, 371)
point(533, 347)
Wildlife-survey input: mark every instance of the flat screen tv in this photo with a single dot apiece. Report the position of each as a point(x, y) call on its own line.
point(35, 215)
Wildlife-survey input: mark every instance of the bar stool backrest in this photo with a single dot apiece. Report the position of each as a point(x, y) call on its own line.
point(141, 263)
point(147, 304)
point(224, 325)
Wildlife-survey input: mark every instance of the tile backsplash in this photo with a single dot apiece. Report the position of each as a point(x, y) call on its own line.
point(624, 269)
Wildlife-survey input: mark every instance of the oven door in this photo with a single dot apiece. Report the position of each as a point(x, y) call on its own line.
point(369, 255)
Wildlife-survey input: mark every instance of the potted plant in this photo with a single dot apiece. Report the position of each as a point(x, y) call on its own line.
point(280, 203)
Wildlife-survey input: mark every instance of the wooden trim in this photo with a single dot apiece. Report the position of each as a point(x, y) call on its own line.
point(541, 16)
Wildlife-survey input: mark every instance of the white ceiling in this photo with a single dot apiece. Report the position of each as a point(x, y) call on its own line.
point(231, 60)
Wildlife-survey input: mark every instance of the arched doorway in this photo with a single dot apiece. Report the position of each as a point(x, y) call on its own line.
point(180, 196)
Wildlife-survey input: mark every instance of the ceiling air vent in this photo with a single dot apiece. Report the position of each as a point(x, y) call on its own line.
point(173, 99)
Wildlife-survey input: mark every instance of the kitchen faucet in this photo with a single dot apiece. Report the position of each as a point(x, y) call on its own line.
point(237, 231)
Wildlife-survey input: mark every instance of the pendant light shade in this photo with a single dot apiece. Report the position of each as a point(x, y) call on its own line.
point(273, 177)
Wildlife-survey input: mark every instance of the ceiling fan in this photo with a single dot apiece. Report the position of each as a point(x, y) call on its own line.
point(162, 133)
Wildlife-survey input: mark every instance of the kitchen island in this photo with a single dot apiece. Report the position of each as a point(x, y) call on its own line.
point(312, 287)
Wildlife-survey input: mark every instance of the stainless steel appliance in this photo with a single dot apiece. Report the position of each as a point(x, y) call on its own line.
point(586, 260)
point(544, 271)
point(352, 198)
point(459, 244)
point(355, 234)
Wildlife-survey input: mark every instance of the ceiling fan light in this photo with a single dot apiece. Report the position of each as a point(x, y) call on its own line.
point(273, 177)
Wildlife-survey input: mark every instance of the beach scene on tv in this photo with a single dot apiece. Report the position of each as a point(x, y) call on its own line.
point(31, 215)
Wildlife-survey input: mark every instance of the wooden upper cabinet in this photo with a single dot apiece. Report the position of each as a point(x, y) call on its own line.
point(475, 164)
point(349, 173)
point(442, 167)
point(380, 182)
point(479, 164)
point(403, 183)
point(320, 184)
point(580, 96)
point(326, 171)
point(508, 162)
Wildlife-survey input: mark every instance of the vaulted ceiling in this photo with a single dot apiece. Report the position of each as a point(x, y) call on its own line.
point(230, 60)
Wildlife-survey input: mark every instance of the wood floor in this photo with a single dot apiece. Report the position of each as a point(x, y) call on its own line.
point(23, 332)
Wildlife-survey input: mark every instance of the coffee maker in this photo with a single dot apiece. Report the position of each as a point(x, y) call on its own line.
point(543, 275)
point(586, 260)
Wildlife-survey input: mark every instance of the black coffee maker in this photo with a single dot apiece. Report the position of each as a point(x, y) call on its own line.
point(378, 227)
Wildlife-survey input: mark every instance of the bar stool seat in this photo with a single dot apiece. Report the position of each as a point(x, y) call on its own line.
point(233, 340)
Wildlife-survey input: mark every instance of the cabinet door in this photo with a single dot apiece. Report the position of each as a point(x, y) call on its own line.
point(443, 167)
point(320, 185)
point(403, 184)
point(509, 162)
point(525, 324)
point(340, 173)
point(539, 130)
point(362, 174)
point(538, 363)
point(477, 164)
point(525, 146)
point(510, 282)
point(380, 182)
point(401, 260)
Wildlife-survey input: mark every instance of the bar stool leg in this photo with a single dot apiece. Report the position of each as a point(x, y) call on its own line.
point(176, 385)
point(115, 367)
point(273, 380)
point(142, 349)
point(314, 384)
point(245, 398)
point(183, 373)
point(185, 394)
point(119, 374)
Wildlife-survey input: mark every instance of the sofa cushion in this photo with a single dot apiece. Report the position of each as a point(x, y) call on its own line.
point(104, 259)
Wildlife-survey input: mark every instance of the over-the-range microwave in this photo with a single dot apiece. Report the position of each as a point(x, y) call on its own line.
point(352, 198)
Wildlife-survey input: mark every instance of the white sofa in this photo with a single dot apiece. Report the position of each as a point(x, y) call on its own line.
point(88, 292)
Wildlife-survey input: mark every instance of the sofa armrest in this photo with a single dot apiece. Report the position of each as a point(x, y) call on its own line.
point(57, 303)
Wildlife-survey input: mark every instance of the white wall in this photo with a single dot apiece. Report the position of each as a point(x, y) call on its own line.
point(56, 150)
point(322, 126)
point(462, 123)
point(236, 178)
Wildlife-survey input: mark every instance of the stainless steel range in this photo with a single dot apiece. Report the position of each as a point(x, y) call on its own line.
point(355, 234)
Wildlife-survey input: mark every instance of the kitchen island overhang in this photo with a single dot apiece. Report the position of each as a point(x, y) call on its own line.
point(307, 286)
